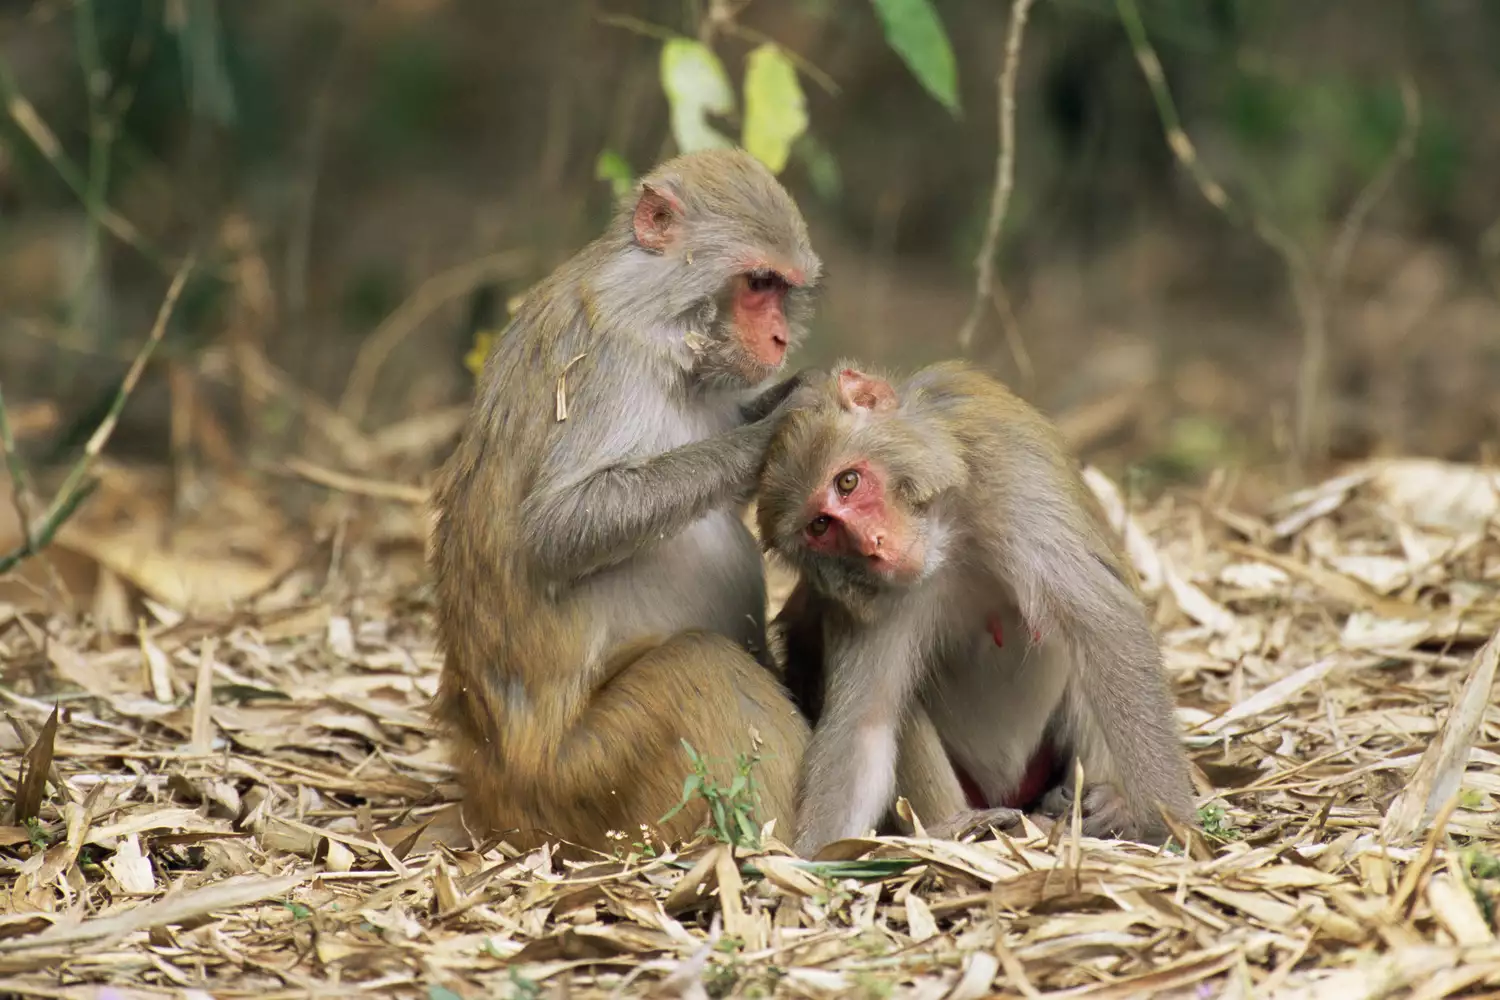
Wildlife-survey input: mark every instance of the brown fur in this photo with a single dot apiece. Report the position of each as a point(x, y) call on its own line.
point(598, 598)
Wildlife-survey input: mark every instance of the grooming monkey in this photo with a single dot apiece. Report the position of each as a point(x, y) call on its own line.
point(599, 598)
point(961, 600)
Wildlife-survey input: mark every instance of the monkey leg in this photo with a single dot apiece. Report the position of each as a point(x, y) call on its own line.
point(622, 764)
point(925, 776)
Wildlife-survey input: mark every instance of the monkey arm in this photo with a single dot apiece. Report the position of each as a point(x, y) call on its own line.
point(764, 404)
point(1117, 678)
point(606, 516)
point(849, 773)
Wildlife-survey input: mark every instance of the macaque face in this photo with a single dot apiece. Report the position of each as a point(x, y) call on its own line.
point(853, 518)
point(758, 314)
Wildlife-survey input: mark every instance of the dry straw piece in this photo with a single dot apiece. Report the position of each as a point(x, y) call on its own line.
point(257, 804)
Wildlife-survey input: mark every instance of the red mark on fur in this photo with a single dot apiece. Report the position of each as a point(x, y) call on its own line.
point(972, 793)
point(997, 633)
point(1033, 783)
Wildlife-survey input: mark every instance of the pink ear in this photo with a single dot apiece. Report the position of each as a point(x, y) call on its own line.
point(657, 214)
point(858, 391)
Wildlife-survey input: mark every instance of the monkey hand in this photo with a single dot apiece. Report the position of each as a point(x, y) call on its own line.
point(1106, 813)
point(780, 398)
point(967, 821)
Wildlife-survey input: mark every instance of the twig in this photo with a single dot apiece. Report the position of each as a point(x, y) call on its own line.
point(433, 293)
point(20, 490)
point(101, 142)
point(76, 487)
point(807, 66)
point(415, 496)
point(1005, 168)
point(1310, 296)
point(46, 141)
point(1405, 148)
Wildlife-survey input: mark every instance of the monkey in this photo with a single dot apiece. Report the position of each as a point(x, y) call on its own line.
point(965, 613)
point(937, 788)
point(599, 599)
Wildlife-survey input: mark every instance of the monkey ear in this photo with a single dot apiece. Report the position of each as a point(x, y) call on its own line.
point(657, 215)
point(858, 391)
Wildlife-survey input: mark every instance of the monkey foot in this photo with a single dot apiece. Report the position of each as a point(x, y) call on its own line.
point(967, 821)
point(1106, 813)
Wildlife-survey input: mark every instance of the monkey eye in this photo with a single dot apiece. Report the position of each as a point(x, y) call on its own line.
point(847, 481)
point(764, 280)
point(819, 525)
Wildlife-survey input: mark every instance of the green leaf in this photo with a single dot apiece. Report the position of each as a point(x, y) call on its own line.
point(441, 993)
point(822, 168)
point(612, 167)
point(696, 85)
point(775, 109)
point(912, 28)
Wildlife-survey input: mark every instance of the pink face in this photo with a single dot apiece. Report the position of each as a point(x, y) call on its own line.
point(760, 313)
point(851, 518)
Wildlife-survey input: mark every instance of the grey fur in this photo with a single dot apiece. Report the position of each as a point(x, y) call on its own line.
point(1009, 529)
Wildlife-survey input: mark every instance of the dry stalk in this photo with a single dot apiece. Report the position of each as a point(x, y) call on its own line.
point(77, 486)
point(433, 293)
point(987, 288)
point(1312, 288)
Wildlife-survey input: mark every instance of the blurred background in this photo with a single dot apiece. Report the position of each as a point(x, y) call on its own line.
point(369, 185)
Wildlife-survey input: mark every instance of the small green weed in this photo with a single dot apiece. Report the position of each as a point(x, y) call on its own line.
point(731, 810)
point(1216, 824)
point(37, 833)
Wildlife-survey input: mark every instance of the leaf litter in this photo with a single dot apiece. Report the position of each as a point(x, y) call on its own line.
point(238, 792)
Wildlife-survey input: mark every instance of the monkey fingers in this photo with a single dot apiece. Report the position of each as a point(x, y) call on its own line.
point(1106, 813)
point(967, 821)
point(779, 395)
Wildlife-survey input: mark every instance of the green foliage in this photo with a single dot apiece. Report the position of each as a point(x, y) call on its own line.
point(1216, 823)
point(821, 166)
point(206, 77)
point(1476, 869)
point(612, 167)
point(298, 910)
point(435, 992)
point(522, 988)
point(775, 108)
point(696, 86)
point(731, 810)
point(913, 30)
point(415, 86)
point(36, 832)
point(370, 296)
point(1439, 157)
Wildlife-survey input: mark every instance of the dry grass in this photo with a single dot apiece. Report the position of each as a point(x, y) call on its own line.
point(256, 804)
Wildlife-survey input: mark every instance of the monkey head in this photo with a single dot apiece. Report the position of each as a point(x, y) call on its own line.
point(716, 251)
point(854, 487)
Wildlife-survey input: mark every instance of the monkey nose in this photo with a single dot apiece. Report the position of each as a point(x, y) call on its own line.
point(873, 545)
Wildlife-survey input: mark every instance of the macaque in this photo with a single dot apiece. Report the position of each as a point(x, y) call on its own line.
point(963, 615)
point(599, 598)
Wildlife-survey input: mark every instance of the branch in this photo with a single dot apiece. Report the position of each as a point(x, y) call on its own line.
point(1005, 168)
point(429, 296)
point(77, 486)
point(46, 142)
